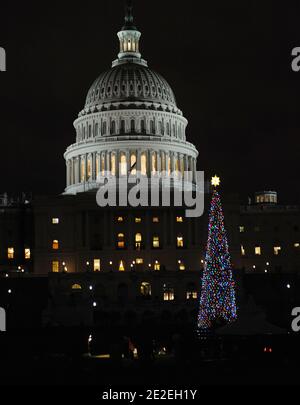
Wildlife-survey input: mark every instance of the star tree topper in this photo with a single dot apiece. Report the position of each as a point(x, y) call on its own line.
point(215, 181)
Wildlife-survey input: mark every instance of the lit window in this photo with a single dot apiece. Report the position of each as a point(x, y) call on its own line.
point(10, 253)
point(113, 164)
point(55, 266)
point(97, 265)
point(155, 242)
point(242, 228)
point(146, 289)
point(243, 252)
point(191, 295)
point(121, 266)
point(144, 164)
point(123, 165)
point(257, 250)
point(155, 220)
point(138, 240)
point(133, 164)
point(76, 287)
point(168, 293)
point(120, 219)
point(89, 168)
point(180, 243)
point(121, 241)
point(55, 244)
point(297, 244)
point(181, 265)
point(277, 250)
point(179, 219)
point(27, 254)
point(139, 260)
point(138, 220)
point(55, 221)
point(156, 265)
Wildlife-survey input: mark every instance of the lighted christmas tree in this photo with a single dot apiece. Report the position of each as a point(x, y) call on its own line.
point(217, 302)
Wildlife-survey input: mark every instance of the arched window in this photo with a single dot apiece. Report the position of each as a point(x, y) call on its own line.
point(89, 168)
point(144, 164)
point(113, 127)
point(96, 129)
point(132, 126)
point(104, 128)
point(102, 164)
point(82, 171)
point(143, 127)
point(76, 287)
point(168, 128)
point(138, 239)
point(133, 164)
point(113, 164)
point(154, 163)
point(152, 127)
point(90, 131)
point(145, 289)
point(123, 164)
point(122, 127)
point(121, 241)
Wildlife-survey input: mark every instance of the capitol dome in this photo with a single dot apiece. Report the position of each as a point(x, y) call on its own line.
point(128, 82)
point(130, 123)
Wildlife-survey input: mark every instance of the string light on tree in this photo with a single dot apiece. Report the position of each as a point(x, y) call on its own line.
point(217, 302)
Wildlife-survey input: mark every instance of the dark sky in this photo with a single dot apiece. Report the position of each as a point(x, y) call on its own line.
point(228, 62)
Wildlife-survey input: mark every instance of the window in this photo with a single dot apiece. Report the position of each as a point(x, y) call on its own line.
point(133, 164)
point(241, 228)
point(257, 250)
point(55, 266)
point(144, 164)
point(180, 243)
point(121, 266)
point(89, 168)
point(82, 169)
point(138, 240)
point(155, 242)
point(153, 163)
point(139, 260)
point(113, 164)
point(76, 287)
point(138, 220)
point(168, 293)
point(179, 219)
point(97, 265)
point(155, 220)
point(181, 265)
point(156, 265)
point(10, 253)
point(132, 126)
point(146, 289)
point(243, 252)
point(55, 244)
point(191, 295)
point(55, 221)
point(121, 241)
point(27, 253)
point(277, 250)
point(123, 165)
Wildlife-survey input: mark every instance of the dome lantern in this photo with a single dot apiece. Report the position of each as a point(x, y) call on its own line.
point(129, 38)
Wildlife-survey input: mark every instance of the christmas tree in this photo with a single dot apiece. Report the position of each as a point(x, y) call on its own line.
point(217, 302)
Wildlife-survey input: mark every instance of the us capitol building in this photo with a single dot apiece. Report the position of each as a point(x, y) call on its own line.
point(125, 262)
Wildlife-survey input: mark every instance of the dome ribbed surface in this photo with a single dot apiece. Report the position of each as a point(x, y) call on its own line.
point(130, 82)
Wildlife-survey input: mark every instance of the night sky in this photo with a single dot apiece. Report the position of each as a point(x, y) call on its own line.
point(228, 62)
